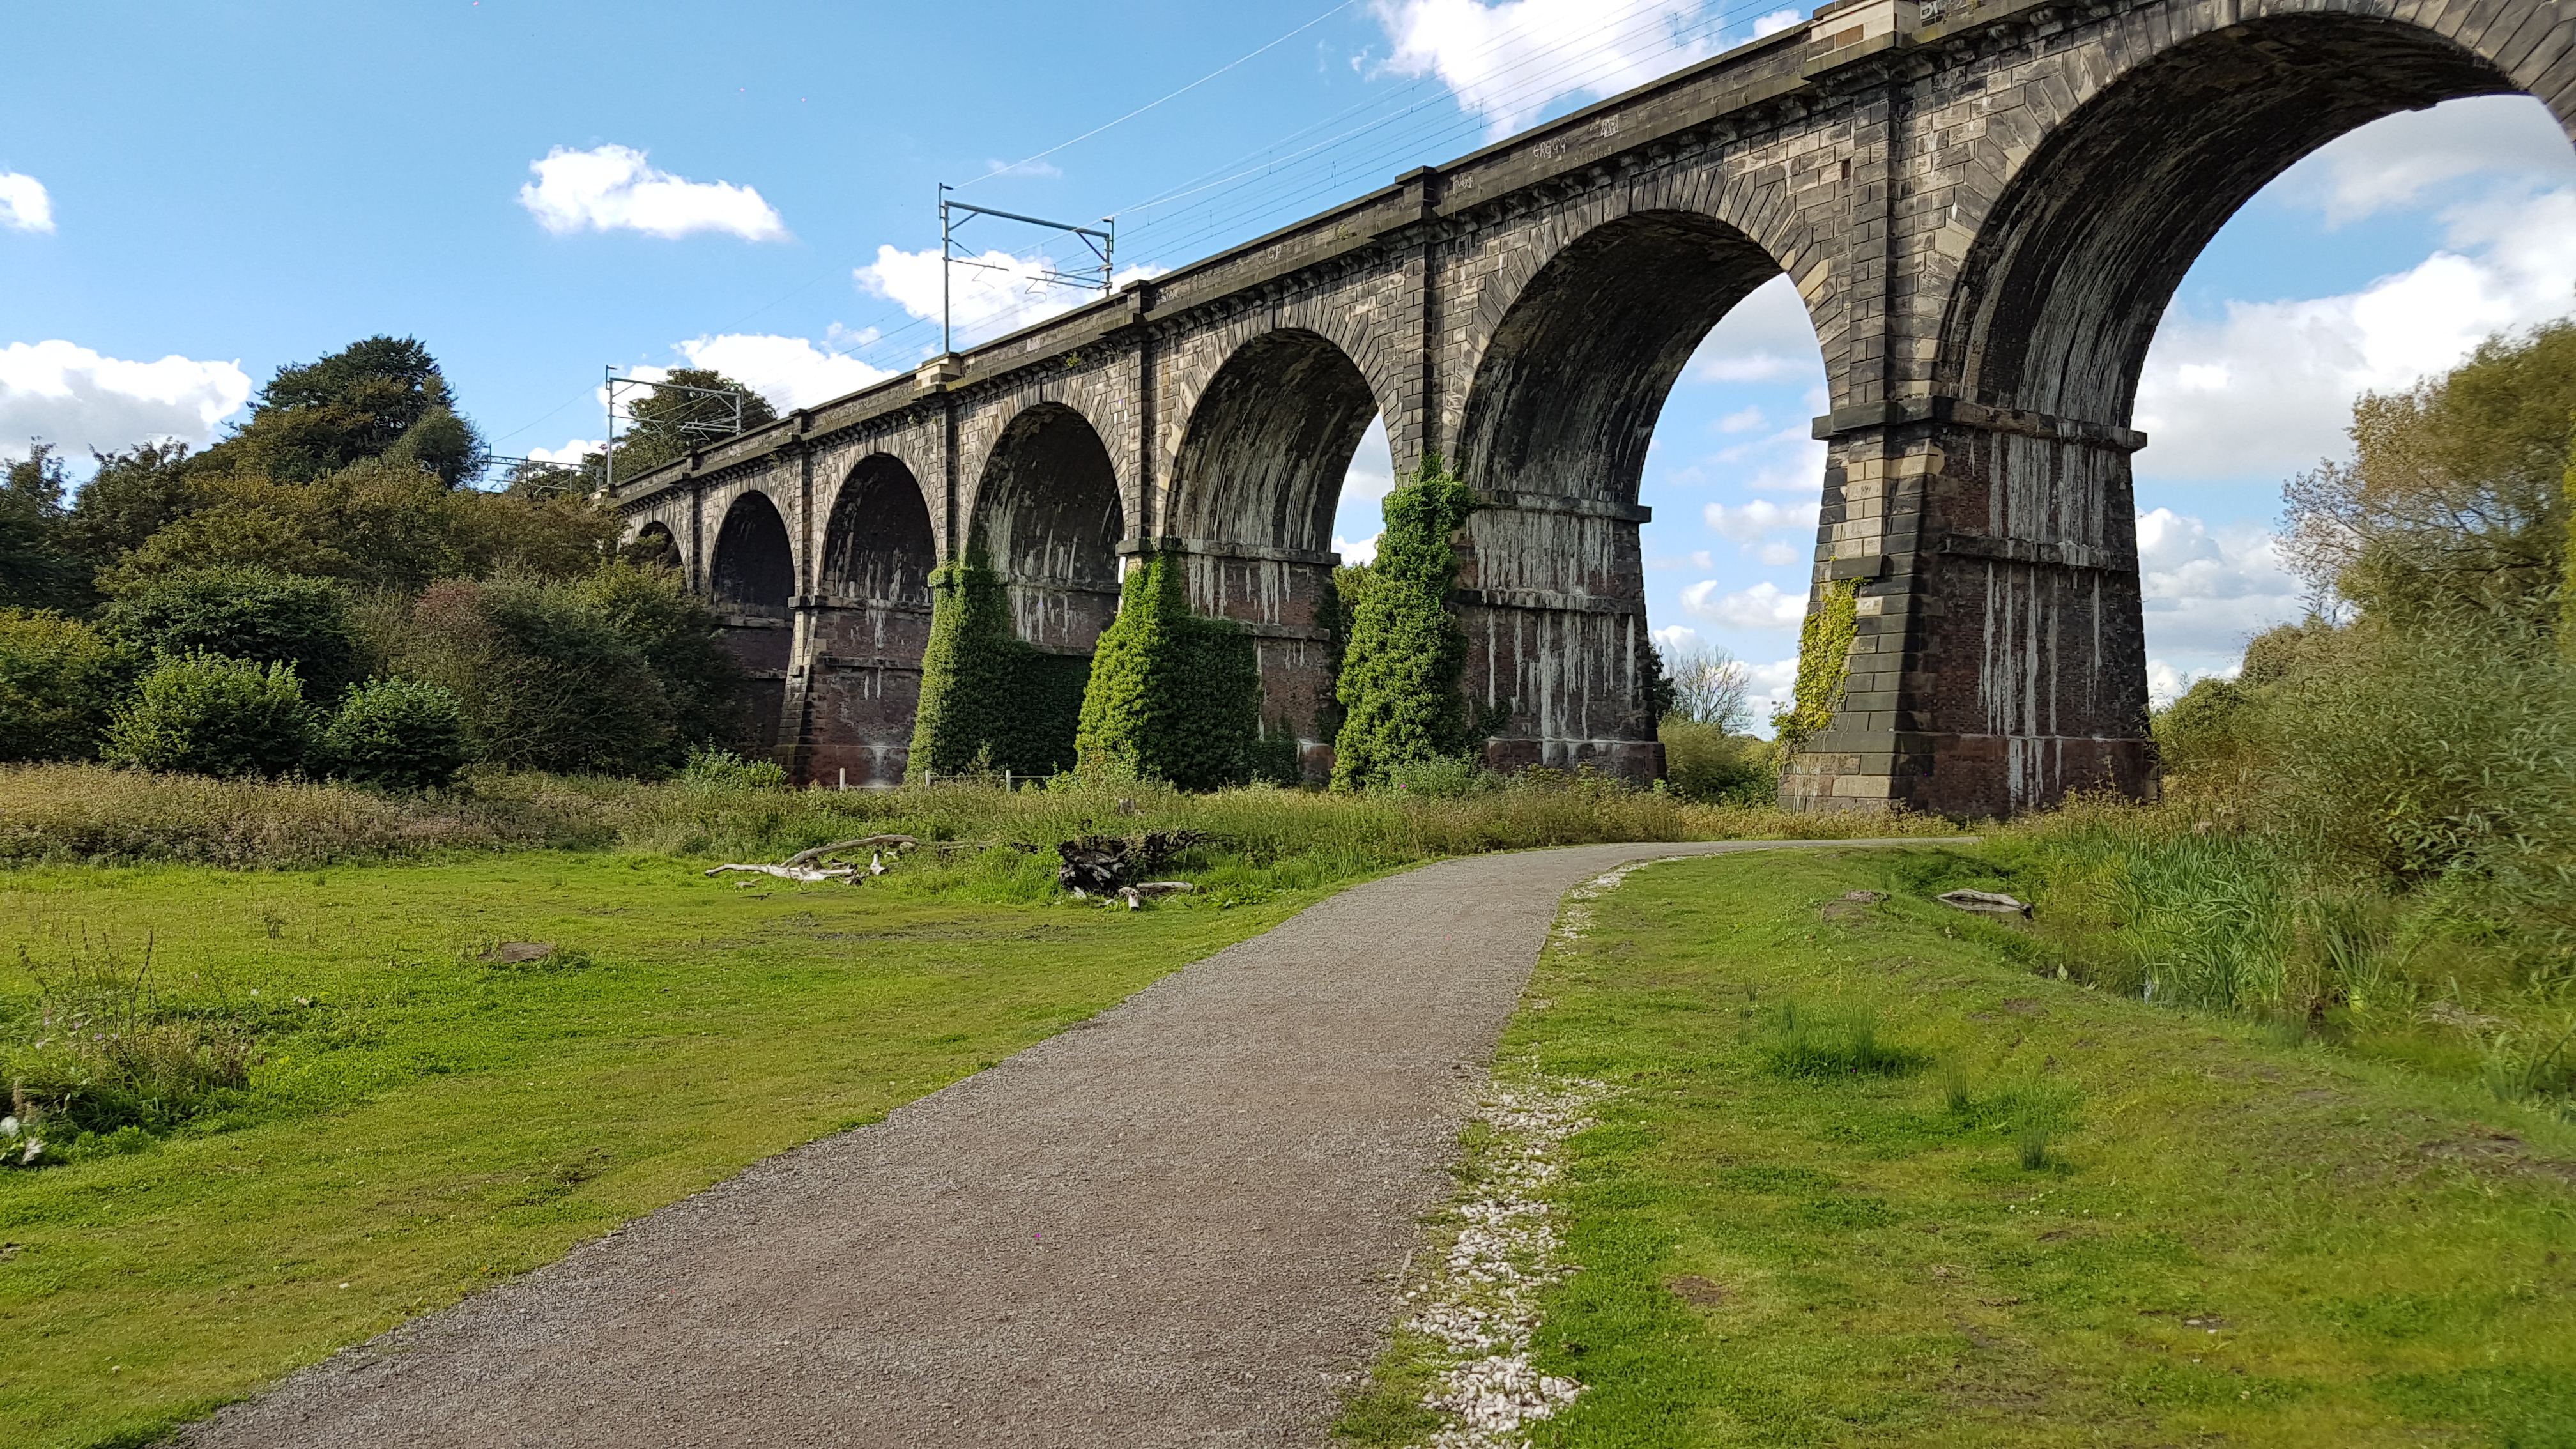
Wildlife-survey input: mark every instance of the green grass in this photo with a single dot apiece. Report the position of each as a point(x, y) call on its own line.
point(1952, 1202)
point(421, 1124)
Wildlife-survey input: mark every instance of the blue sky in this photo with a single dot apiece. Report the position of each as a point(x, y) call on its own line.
point(536, 191)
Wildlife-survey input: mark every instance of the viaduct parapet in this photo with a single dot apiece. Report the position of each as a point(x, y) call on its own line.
point(1986, 209)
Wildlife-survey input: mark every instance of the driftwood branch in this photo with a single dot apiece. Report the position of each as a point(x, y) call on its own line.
point(1984, 903)
point(1143, 891)
point(792, 872)
point(865, 842)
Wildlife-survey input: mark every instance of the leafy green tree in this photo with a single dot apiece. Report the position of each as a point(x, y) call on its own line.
point(2455, 494)
point(543, 677)
point(667, 423)
point(989, 699)
point(133, 495)
point(244, 612)
point(205, 714)
point(396, 734)
point(59, 683)
point(37, 565)
point(1399, 682)
point(1172, 694)
point(383, 397)
point(678, 635)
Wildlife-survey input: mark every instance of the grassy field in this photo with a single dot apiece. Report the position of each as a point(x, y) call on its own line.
point(421, 1123)
point(1871, 1180)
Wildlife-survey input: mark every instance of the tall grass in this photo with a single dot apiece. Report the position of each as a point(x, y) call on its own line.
point(93, 814)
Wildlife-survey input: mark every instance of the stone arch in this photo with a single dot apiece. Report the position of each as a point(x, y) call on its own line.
point(1583, 354)
point(755, 564)
point(1558, 416)
point(653, 543)
point(2071, 268)
point(1268, 441)
point(1049, 520)
point(1254, 487)
point(752, 581)
point(867, 627)
point(879, 545)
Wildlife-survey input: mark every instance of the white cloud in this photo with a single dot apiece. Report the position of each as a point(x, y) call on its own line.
point(1768, 689)
point(1762, 606)
point(77, 399)
point(610, 187)
point(789, 371)
point(1364, 488)
point(1742, 420)
point(1506, 62)
point(995, 166)
point(570, 454)
point(1677, 637)
point(24, 206)
point(1767, 338)
point(2207, 590)
point(989, 295)
point(2269, 387)
point(1749, 522)
point(2391, 162)
point(2166, 683)
point(1777, 21)
point(1356, 551)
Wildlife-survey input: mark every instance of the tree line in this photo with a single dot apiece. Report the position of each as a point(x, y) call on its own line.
point(323, 591)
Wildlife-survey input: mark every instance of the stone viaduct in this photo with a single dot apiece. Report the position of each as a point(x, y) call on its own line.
point(1986, 208)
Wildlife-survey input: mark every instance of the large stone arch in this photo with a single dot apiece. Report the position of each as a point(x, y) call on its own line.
point(869, 621)
point(2073, 264)
point(1553, 436)
point(1254, 485)
point(1047, 517)
point(751, 579)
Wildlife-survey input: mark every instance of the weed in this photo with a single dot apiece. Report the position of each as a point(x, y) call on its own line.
point(1809, 1043)
point(2033, 1146)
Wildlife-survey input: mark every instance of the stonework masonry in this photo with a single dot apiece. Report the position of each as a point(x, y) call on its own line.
point(1986, 208)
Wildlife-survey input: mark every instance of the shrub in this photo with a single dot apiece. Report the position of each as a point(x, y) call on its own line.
point(209, 715)
point(244, 612)
point(725, 770)
point(1172, 695)
point(678, 635)
point(990, 700)
point(59, 682)
point(1704, 762)
point(1399, 683)
point(396, 734)
point(544, 678)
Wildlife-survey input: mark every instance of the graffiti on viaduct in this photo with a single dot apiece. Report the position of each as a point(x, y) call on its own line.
point(1986, 208)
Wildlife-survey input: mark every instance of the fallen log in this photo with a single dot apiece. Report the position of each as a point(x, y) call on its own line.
point(1984, 903)
point(792, 872)
point(865, 842)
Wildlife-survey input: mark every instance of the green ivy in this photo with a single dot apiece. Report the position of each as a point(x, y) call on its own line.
point(1172, 694)
point(1824, 662)
point(1400, 674)
point(990, 700)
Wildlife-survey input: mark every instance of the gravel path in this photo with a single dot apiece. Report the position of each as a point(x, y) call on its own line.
point(1176, 1223)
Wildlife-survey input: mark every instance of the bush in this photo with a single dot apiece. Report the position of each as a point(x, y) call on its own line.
point(209, 715)
point(1172, 695)
point(244, 612)
point(544, 678)
point(725, 770)
point(396, 734)
point(59, 683)
point(1399, 683)
point(678, 635)
point(1704, 762)
point(989, 699)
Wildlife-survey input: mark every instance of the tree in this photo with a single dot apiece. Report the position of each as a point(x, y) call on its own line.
point(678, 636)
point(543, 678)
point(1401, 669)
point(37, 565)
point(2455, 492)
point(59, 683)
point(1172, 694)
point(209, 715)
point(133, 495)
point(1706, 686)
point(243, 612)
point(667, 422)
point(383, 397)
